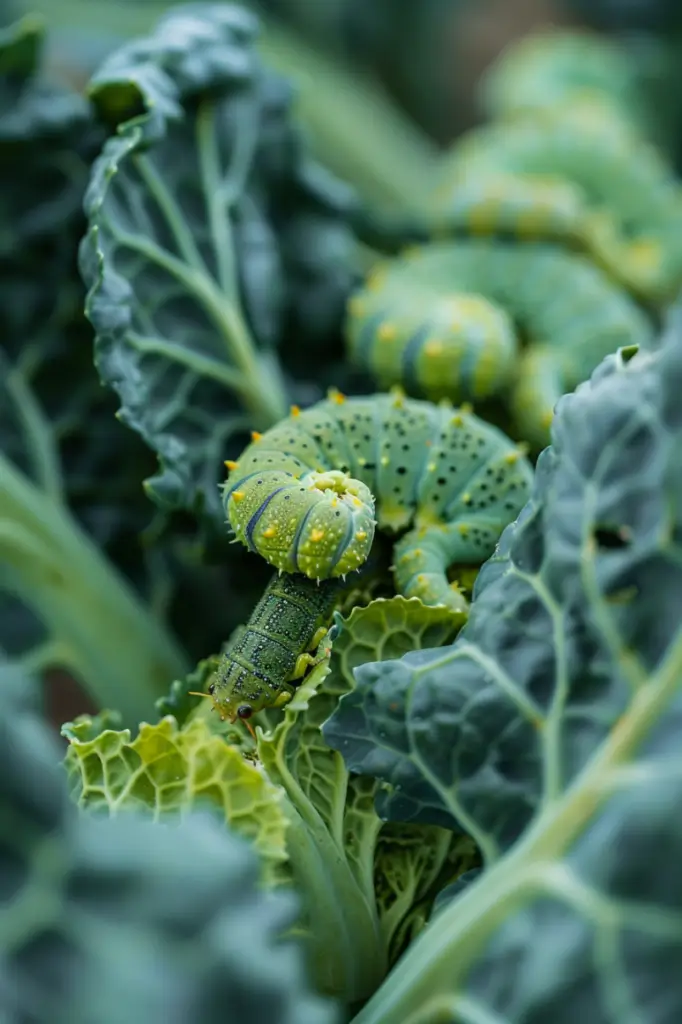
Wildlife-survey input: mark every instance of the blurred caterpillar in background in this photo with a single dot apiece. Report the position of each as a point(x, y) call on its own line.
point(442, 320)
point(576, 176)
point(567, 158)
point(554, 68)
point(563, 160)
point(543, 222)
point(308, 494)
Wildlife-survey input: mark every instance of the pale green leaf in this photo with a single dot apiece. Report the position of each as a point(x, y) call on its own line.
point(171, 771)
point(337, 810)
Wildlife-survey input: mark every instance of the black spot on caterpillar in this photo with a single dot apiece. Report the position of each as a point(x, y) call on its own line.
point(270, 655)
point(442, 322)
point(305, 494)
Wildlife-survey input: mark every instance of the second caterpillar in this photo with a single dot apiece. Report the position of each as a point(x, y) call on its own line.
point(476, 319)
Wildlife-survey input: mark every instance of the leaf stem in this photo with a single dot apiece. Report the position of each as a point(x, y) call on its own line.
point(263, 390)
point(439, 960)
point(109, 639)
point(221, 191)
point(348, 956)
point(39, 441)
point(202, 365)
point(175, 220)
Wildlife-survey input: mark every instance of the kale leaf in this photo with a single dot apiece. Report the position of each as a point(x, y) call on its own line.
point(549, 732)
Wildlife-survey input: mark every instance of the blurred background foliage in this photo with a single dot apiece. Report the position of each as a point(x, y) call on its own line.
point(424, 58)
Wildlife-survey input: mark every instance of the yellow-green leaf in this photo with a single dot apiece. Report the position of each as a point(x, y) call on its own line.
point(168, 770)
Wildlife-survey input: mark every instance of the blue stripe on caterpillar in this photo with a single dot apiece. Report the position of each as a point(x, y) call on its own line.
point(308, 494)
point(442, 322)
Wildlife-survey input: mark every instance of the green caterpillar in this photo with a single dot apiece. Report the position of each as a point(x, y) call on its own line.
point(270, 655)
point(550, 68)
point(565, 160)
point(576, 175)
point(441, 320)
point(307, 494)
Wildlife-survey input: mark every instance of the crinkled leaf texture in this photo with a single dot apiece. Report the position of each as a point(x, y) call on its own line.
point(127, 920)
point(198, 210)
point(172, 771)
point(365, 886)
point(550, 730)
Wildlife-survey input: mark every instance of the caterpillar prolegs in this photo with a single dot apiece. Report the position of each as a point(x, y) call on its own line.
point(443, 320)
point(269, 656)
point(308, 494)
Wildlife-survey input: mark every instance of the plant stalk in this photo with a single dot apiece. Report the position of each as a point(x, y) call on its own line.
point(111, 641)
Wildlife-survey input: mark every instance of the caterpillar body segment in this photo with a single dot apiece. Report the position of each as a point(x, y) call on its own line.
point(435, 342)
point(470, 524)
point(492, 204)
point(539, 387)
point(447, 320)
point(442, 481)
point(600, 186)
point(269, 656)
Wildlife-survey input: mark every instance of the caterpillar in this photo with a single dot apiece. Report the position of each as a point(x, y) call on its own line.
point(270, 655)
point(442, 321)
point(550, 68)
point(572, 174)
point(308, 494)
point(565, 161)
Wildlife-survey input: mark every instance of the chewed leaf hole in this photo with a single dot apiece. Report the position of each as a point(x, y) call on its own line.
point(612, 538)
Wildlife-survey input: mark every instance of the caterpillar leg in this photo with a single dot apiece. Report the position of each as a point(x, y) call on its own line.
point(423, 556)
point(308, 659)
point(539, 387)
point(282, 699)
point(303, 663)
point(318, 638)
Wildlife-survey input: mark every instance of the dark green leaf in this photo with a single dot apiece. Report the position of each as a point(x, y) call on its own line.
point(550, 731)
point(64, 461)
point(198, 209)
point(538, 676)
